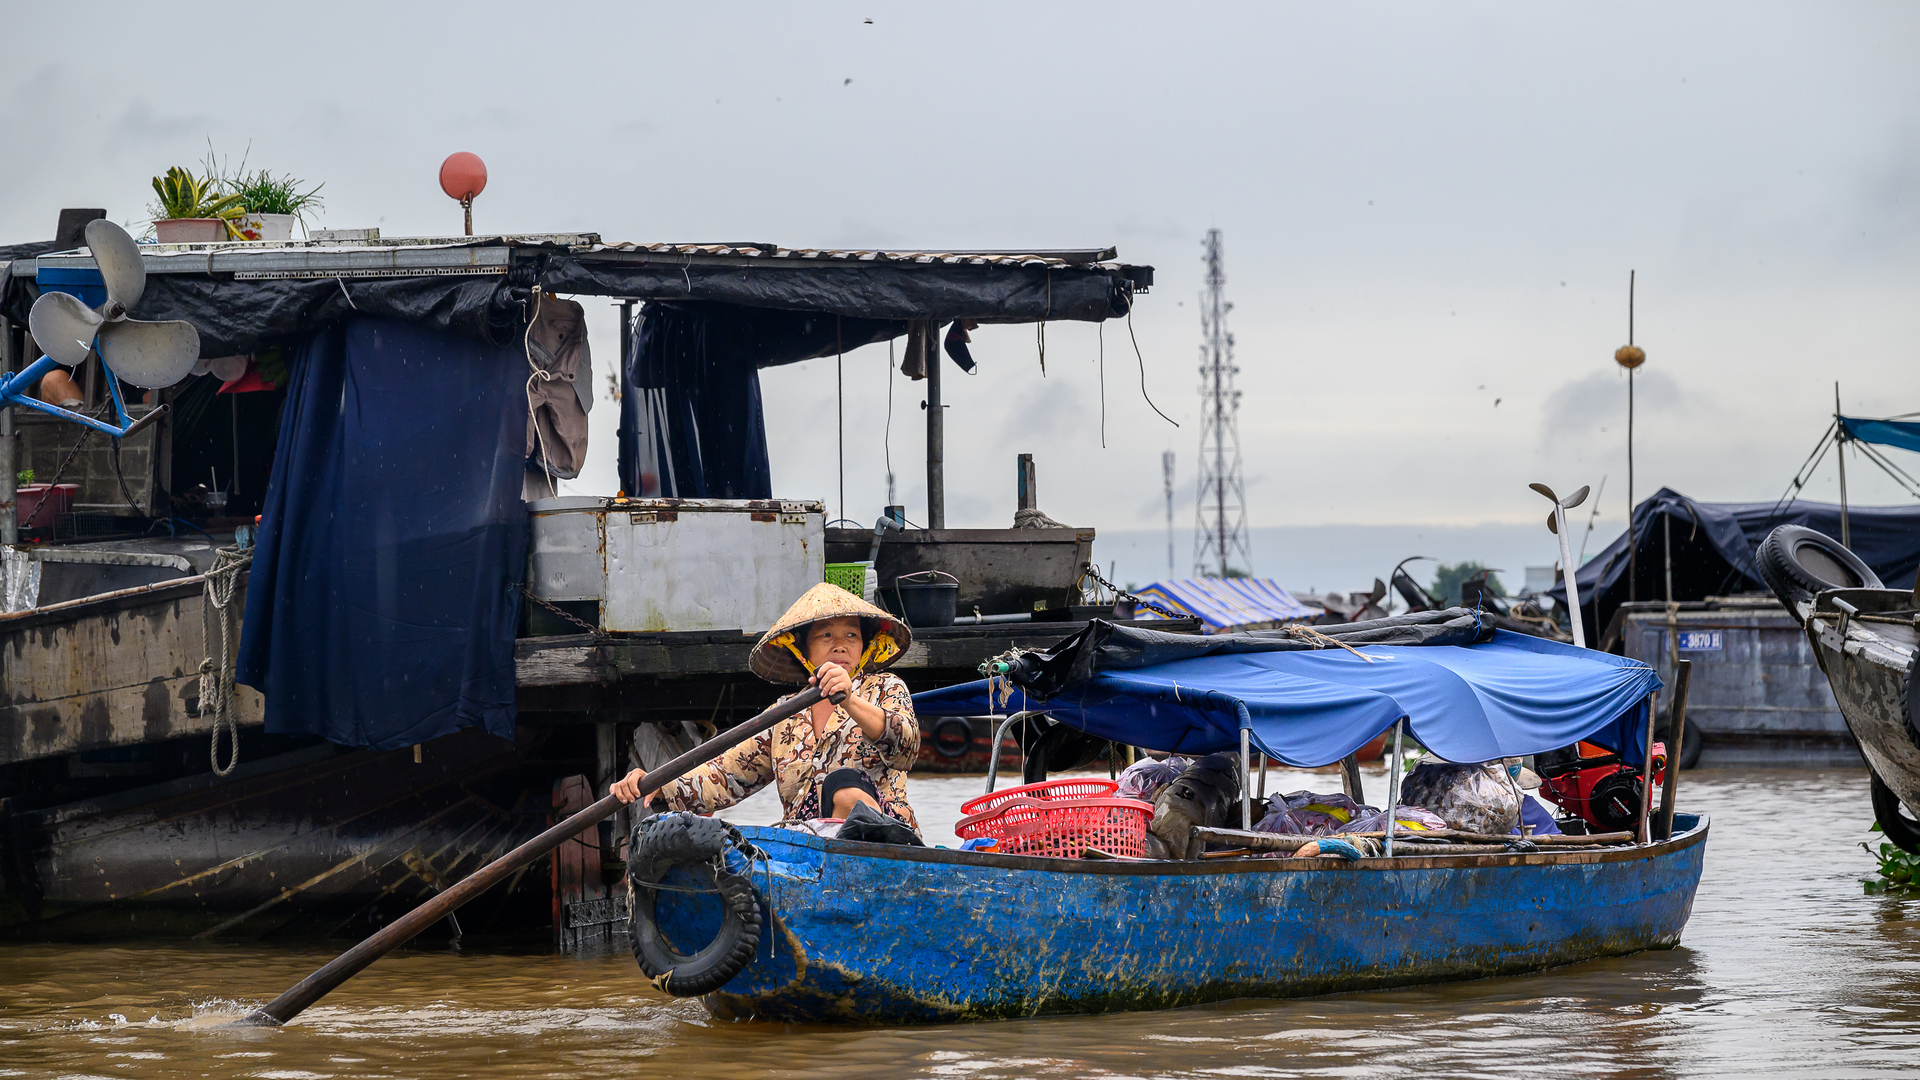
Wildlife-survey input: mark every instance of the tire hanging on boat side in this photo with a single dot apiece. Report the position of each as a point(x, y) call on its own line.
point(1904, 831)
point(668, 841)
point(1798, 563)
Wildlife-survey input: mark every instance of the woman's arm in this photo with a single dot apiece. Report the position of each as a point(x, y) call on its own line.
point(727, 779)
point(890, 725)
point(833, 679)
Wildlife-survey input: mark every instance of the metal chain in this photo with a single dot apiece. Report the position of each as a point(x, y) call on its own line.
point(1093, 572)
point(563, 613)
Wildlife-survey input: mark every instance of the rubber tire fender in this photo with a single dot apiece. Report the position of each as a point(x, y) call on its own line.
point(940, 748)
point(660, 844)
point(1798, 563)
point(1903, 830)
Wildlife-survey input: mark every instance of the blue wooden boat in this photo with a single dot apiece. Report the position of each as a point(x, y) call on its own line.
point(870, 933)
point(876, 934)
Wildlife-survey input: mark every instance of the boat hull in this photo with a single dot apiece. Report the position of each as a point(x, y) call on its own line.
point(867, 934)
point(1870, 668)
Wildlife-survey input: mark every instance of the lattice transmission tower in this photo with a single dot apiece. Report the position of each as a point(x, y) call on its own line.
point(1220, 505)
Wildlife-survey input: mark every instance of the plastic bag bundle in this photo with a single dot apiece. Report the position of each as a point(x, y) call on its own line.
point(1304, 813)
point(1144, 778)
point(1409, 817)
point(1471, 798)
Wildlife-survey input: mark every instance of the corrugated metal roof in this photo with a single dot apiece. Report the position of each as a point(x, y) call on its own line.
point(484, 254)
point(1079, 257)
point(1226, 603)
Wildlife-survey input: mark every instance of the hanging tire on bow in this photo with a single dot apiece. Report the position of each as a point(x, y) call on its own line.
point(668, 842)
point(1797, 563)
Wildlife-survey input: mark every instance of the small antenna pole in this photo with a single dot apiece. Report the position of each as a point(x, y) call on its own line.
point(1840, 433)
point(1633, 540)
point(1630, 356)
point(1166, 468)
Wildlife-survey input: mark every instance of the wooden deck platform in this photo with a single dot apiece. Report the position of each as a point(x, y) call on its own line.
point(704, 675)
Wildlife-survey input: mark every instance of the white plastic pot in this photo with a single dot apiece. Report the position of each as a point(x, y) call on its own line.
point(274, 227)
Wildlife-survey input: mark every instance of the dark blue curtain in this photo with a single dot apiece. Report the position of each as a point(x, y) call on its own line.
point(384, 595)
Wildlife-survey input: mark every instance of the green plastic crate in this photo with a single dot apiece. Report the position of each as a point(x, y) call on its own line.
point(851, 576)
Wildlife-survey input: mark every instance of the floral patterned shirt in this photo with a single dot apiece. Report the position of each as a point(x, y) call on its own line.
point(795, 760)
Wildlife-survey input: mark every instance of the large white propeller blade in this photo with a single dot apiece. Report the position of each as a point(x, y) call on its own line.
point(147, 354)
point(63, 327)
point(121, 267)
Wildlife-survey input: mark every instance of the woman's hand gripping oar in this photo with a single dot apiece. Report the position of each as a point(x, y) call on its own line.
point(401, 930)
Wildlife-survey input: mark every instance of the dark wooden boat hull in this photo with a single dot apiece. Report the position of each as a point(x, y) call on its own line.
point(866, 934)
point(311, 843)
point(1870, 666)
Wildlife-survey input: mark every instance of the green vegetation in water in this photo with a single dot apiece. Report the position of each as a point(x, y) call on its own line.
point(1448, 577)
point(1899, 870)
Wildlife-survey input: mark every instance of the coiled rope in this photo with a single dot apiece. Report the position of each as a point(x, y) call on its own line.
point(216, 676)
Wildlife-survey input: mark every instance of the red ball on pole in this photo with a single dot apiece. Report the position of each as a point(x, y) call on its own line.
point(462, 176)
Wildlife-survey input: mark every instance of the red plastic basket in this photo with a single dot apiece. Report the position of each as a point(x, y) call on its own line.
point(1083, 787)
point(1063, 828)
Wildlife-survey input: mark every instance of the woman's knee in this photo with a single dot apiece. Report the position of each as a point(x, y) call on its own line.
point(847, 798)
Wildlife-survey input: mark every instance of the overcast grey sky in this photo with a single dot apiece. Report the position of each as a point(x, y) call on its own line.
point(1430, 212)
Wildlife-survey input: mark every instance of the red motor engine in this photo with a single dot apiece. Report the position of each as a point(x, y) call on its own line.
point(1594, 785)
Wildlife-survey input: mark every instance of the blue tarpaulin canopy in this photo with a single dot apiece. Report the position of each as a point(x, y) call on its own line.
point(1509, 696)
point(1226, 603)
point(1904, 434)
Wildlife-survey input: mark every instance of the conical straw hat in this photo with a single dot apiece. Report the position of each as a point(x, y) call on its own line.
point(776, 658)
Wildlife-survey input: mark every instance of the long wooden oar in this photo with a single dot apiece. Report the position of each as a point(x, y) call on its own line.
point(401, 930)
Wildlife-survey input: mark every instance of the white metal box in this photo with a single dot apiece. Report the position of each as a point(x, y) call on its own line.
point(677, 564)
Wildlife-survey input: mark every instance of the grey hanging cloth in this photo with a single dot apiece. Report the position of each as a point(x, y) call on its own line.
point(923, 336)
point(558, 400)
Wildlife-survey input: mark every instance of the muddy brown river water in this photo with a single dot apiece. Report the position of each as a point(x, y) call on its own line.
point(1786, 969)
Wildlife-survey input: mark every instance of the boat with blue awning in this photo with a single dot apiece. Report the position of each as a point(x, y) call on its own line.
point(854, 932)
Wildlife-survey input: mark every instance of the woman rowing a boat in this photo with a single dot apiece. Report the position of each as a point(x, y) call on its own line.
point(828, 759)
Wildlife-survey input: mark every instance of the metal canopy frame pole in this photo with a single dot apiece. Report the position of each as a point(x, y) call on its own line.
point(1840, 455)
point(1246, 767)
point(1646, 774)
point(936, 438)
point(999, 736)
point(1393, 787)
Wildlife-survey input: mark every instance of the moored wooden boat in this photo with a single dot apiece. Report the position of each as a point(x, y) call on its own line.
point(873, 934)
point(1865, 638)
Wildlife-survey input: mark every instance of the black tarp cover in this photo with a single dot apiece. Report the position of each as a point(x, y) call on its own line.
point(1047, 673)
point(1713, 549)
point(862, 290)
point(384, 593)
point(242, 316)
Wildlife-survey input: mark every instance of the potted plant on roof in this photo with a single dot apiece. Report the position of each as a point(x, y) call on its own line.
point(273, 204)
point(192, 210)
